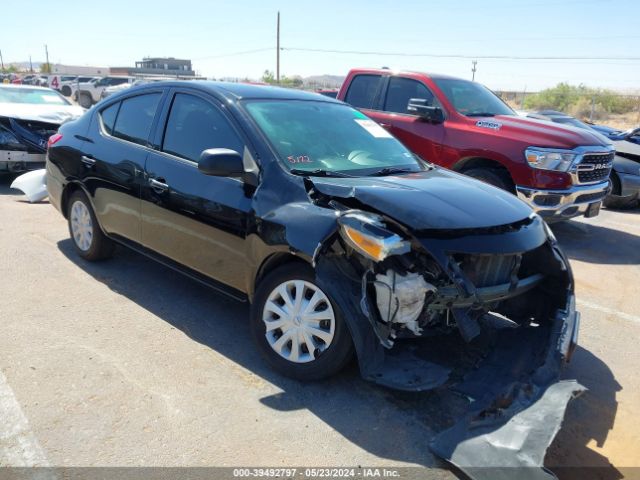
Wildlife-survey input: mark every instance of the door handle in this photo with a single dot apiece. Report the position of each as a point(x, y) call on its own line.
point(88, 161)
point(158, 185)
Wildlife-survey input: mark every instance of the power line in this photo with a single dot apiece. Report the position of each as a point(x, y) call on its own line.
point(244, 52)
point(438, 55)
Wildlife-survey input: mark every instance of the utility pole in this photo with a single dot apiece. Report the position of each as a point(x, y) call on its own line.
point(30, 65)
point(1, 61)
point(278, 50)
point(46, 52)
point(473, 70)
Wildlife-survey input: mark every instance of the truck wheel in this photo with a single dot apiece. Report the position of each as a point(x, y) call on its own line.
point(88, 239)
point(66, 90)
point(492, 176)
point(85, 100)
point(298, 329)
point(615, 200)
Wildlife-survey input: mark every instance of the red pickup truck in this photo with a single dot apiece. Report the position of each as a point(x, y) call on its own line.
point(562, 172)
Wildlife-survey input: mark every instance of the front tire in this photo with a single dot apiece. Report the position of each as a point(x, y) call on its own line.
point(615, 200)
point(298, 329)
point(66, 90)
point(89, 241)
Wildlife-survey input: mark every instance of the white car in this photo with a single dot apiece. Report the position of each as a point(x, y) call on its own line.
point(69, 84)
point(91, 92)
point(29, 116)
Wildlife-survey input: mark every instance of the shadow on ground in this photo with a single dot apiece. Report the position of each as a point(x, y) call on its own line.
point(597, 244)
point(222, 325)
point(588, 420)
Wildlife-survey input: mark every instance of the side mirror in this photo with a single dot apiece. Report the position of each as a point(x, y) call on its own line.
point(419, 107)
point(221, 162)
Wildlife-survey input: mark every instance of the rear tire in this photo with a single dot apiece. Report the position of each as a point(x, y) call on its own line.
point(89, 241)
point(493, 176)
point(85, 100)
point(307, 338)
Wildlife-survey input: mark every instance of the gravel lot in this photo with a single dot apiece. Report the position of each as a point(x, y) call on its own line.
point(127, 363)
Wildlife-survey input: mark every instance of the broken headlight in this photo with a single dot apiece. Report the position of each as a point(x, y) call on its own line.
point(366, 234)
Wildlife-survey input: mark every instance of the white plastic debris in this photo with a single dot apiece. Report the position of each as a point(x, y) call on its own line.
point(400, 298)
point(33, 185)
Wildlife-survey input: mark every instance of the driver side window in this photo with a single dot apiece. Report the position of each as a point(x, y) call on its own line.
point(195, 125)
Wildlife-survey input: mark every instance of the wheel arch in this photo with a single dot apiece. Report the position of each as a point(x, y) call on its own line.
point(474, 162)
point(269, 264)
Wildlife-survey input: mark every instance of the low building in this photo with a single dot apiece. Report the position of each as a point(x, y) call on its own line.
point(59, 69)
point(158, 66)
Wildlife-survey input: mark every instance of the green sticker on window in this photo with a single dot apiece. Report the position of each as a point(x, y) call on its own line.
point(359, 114)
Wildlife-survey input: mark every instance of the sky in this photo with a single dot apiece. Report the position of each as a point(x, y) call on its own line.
point(238, 38)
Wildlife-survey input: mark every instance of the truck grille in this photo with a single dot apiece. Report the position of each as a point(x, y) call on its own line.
point(595, 167)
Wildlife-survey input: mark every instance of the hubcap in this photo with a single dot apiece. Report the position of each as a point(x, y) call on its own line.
point(81, 225)
point(299, 321)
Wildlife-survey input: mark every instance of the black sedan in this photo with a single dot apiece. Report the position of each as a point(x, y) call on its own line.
point(341, 239)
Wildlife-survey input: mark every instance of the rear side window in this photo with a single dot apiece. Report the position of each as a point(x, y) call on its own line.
point(133, 122)
point(362, 91)
point(401, 90)
point(195, 125)
point(108, 117)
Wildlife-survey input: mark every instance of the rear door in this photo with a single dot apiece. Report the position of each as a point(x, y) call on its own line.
point(421, 137)
point(364, 92)
point(113, 162)
point(196, 220)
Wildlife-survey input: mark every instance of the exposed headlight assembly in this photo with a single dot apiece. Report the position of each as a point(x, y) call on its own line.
point(367, 235)
point(547, 159)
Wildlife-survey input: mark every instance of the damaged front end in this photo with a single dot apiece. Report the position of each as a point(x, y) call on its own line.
point(487, 313)
point(23, 143)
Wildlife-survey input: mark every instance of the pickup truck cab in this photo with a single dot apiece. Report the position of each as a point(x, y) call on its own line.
point(562, 172)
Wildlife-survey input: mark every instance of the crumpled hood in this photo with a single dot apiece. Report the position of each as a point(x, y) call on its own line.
point(541, 133)
point(435, 199)
point(58, 114)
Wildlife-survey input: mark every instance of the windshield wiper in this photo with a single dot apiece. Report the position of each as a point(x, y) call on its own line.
point(480, 114)
point(319, 173)
point(390, 171)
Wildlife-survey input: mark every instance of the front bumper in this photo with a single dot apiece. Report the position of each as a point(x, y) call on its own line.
point(563, 204)
point(17, 161)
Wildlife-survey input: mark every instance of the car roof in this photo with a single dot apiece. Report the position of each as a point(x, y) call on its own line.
point(553, 113)
point(237, 91)
point(26, 87)
point(391, 71)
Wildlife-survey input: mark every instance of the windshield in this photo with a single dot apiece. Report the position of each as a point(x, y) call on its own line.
point(32, 96)
point(321, 137)
point(472, 99)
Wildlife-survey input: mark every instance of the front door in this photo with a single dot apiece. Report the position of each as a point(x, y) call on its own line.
point(196, 220)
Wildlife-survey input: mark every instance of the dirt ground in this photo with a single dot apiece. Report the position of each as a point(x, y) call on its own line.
point(126, 363)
